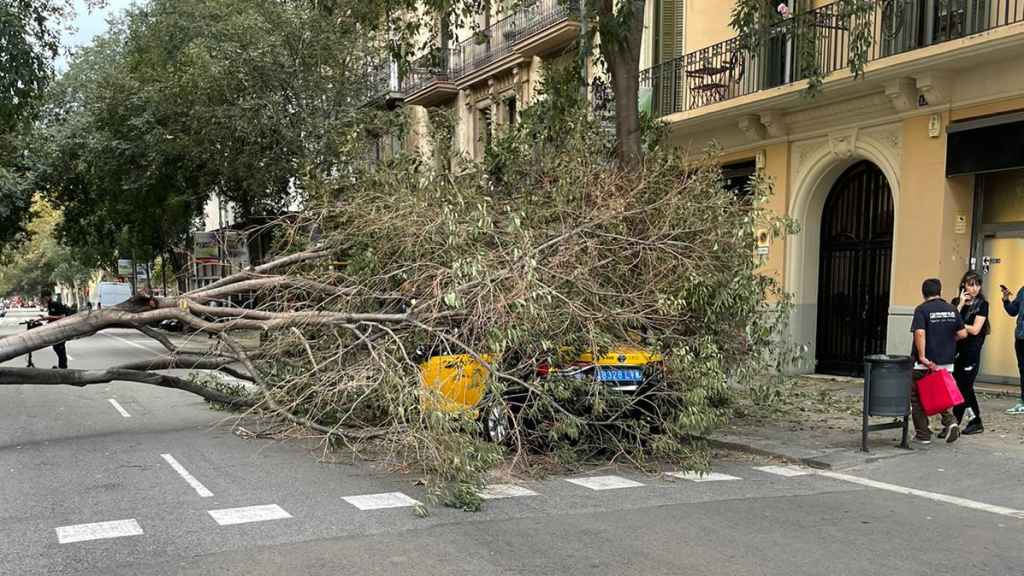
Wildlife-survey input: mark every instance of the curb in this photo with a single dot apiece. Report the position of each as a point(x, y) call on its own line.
point(835, 459)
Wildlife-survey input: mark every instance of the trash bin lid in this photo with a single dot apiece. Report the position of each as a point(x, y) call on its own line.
point(886, 358)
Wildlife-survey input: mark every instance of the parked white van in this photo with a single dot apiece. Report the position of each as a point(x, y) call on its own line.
point(111, 294)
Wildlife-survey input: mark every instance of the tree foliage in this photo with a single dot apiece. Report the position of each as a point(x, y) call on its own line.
point(545, 252)
point(186, 99)
point(40, 261)
point(29, 40)
point(757, 20)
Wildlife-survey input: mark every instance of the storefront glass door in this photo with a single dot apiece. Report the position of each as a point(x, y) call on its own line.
point(1000, 257)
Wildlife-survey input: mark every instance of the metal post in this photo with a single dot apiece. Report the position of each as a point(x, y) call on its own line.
point(905, 440)
point(864, 411)
point(584, 47)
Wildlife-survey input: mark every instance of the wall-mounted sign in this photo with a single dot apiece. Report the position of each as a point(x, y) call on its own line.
point(206, 247)
point(764, 238)
point(960, 224)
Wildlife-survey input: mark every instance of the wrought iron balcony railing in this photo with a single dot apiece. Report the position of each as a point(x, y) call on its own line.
point(728, 70)
point(431, 67)
point(487, 45)
point(384, 81)
point(499, 39)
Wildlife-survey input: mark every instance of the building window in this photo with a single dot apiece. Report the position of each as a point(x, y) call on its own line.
point(483, 132)
point(510, 111)
point(737, 178)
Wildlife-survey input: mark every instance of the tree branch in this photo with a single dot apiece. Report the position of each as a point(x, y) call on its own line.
point(82, 378)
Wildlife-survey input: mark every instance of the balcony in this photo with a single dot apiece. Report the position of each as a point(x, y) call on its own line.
point(727, 70)
point(531, 29)
point(428, 81)
point(386, 86)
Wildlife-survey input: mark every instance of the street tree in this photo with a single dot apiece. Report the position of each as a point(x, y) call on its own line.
point(182, 101)
point(29, 41)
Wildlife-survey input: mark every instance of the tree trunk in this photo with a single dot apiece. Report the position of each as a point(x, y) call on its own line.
point(621, 42)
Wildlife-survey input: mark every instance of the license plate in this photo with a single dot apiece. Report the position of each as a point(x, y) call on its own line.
point(620, 375)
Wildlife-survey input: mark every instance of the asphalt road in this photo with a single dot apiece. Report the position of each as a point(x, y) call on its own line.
point(156, 483)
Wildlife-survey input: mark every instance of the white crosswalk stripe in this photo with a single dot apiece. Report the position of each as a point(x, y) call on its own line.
point(786, 471)
point(496, 491)
point(380, 501)
point(98, 531)
point(604, 482)
point(244, 515)
point(703, 477)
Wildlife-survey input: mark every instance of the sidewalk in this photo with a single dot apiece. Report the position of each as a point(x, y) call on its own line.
point(816, 421)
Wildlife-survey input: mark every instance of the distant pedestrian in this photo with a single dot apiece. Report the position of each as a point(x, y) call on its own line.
point(936, 327)
point(55, 311)
point(1015, 307)
point(974, 311)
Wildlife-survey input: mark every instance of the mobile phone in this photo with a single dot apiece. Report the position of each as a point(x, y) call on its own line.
point(1004, 288)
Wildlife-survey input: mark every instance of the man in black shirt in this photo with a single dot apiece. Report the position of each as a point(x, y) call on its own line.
point(55, 311)
point(937, 327)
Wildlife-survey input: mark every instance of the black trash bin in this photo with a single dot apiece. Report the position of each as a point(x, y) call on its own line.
point(887, 382)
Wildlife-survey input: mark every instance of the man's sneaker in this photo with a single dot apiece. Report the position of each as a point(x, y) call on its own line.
point(922, 440)
point(1018, 408)
point(954, 433)
point(974, 427)
point(944, 432)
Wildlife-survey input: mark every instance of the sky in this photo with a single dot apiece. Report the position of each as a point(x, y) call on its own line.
point(89, 24)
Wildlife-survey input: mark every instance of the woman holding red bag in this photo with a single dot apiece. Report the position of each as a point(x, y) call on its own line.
point(973, 308)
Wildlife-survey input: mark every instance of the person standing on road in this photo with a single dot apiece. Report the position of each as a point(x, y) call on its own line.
point(55, 311)
point(936, 327)
point(973, 309)
point(1015, 307)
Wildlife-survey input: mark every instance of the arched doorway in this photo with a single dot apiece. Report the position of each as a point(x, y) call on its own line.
point(854, 271)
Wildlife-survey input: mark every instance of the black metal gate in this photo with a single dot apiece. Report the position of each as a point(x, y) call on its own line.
point(853, 281)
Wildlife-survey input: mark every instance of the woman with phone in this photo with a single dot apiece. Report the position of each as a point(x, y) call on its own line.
point(973, 309)
point(1015, 307)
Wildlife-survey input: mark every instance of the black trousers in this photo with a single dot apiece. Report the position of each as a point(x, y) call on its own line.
point(1018, 347)
point(62, 355)
point(965, 371)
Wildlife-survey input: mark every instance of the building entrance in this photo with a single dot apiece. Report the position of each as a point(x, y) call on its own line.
point(854, 273)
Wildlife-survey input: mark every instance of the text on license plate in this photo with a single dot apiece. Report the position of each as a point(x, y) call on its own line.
point(620, 374)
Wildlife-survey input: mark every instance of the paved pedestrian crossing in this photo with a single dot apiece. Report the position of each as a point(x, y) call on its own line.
point(368, 503)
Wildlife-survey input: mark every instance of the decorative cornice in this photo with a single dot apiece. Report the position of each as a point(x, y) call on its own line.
point(775, 123)
point(844, 112)
point(752, 127)
point(902, 92)
point(935, 87)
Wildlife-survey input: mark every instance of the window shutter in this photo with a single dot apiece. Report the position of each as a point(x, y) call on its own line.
point(670, 31)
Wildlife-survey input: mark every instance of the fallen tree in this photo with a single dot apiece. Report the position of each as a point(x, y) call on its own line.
point(508, 269)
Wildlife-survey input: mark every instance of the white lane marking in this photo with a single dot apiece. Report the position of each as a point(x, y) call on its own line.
point(380, 501)
point(129, 342)
point(703, 477)
point(944, 498)
point(604, 482)
point(787, 471)
point(495, 491)
point(119, 408)
point(230, 516)
point(195, 484)
point(98, 531)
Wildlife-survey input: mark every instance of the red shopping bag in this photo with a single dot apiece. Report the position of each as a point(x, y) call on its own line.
point(938, 392)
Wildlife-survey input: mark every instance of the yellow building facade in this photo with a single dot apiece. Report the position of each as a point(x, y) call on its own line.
point(914, 170)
